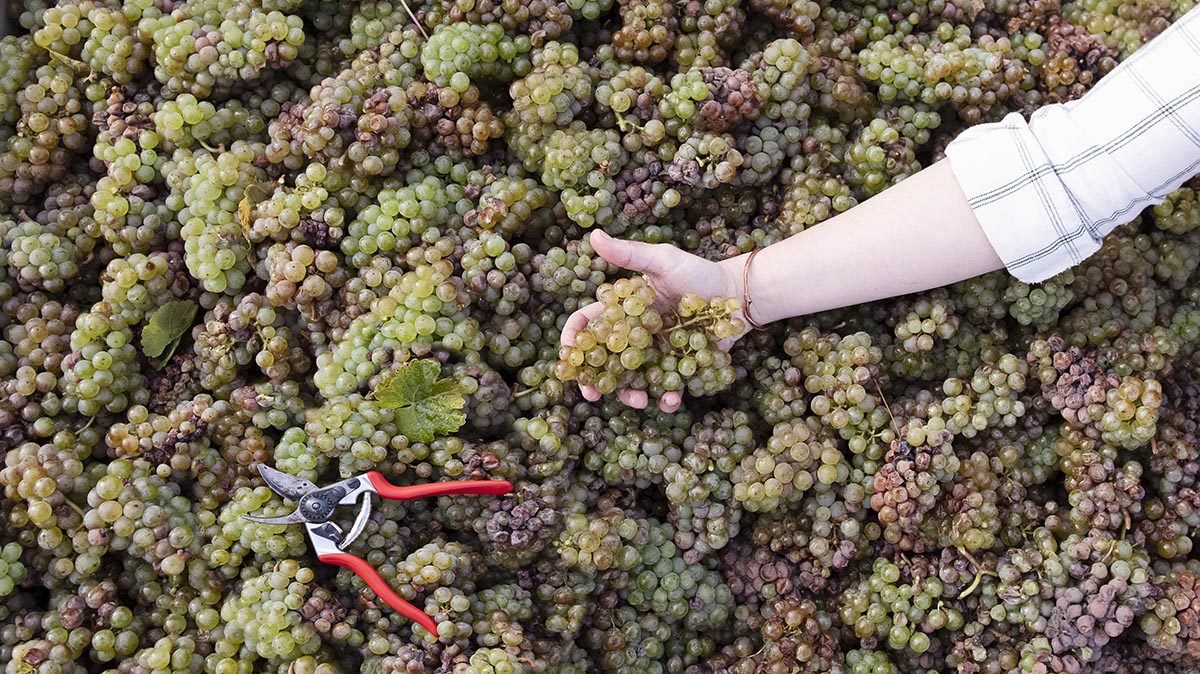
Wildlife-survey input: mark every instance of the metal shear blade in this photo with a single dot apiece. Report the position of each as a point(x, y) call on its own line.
point(288, 486)
point(293, 517)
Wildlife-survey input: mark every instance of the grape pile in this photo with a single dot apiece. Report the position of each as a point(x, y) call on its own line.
point(227, 227)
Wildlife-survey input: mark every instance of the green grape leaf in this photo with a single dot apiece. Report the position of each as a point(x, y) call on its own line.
point(166, 326)
point(425, 405)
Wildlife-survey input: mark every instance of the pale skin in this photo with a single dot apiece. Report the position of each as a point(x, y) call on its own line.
point(917, 235)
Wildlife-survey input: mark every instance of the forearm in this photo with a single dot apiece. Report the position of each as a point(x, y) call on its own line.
point(917, 235)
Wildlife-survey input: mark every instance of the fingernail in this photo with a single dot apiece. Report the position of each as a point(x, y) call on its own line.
point(600, 233)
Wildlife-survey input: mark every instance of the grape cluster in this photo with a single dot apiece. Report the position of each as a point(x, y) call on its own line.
point(211, 189)
point(792, 462)
point(797, 16)
point(1109, 589)
point(812, 195)
point(112, 46)
point(796, 636)
point(842, 375)
point(1176, 214)
point(425, 306)
point(161, 527)
point(879, 157)
point(610, 349)
point(699, 486)
point(946, 66)
point(1124, 29)
point(39, 478)
point(631, 343)
point(41, 258)
point(550, 439)
point(627, 449)
point(780, 74)
point(187, 120)
point(569, 275)
point(708, 32)
point(1170, 624)
point(1122, 410)
point(602, 543)
point(100, 372)
point(781, 396)
point(542, 20)
point(458, 53)
point(647, 33)
point(969, 515)
point(261, 619)
point(706, 161)
point(928, 319)
point(556, 89)
point(905, 622)
point(580, 164)
point(827, 531)
point(208, 46)
point(1040, 305)
point(907, 486)
point(51, 130)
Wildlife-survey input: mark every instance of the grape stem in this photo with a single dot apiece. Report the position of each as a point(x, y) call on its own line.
point(1112, 547)
point(76, 509)
point(414, 18)
point(980, 572)
point(690, 323)
point(74, 63)
point(624, 124)
point(887, 407)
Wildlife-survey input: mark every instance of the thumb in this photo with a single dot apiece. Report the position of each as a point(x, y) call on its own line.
point(648, 258)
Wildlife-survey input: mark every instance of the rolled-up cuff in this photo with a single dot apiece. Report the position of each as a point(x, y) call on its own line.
point(1026, 211)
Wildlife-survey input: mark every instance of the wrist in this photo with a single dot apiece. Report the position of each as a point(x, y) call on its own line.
point(747, 295)
point(731, 272)
point(740, 271)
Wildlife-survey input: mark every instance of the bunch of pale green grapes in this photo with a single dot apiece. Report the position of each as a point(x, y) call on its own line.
point(609, 351)
point(631, 345)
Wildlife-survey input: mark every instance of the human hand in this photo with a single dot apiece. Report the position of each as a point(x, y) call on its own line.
point(672, 273)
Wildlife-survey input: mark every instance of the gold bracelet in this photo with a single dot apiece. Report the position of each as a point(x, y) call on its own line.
point(746, 301)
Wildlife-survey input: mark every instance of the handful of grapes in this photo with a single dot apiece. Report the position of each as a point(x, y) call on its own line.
point(631, 345)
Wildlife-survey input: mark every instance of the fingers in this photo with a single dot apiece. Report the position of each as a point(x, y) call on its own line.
point(633, 398)
point(647, 258)
point(670, 402)
point(727, 344)
point(578, 321)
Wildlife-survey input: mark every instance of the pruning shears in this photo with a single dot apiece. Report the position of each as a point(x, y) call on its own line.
point(315, 506)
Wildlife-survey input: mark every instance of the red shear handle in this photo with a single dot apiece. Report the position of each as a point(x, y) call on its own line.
point(388, 490)
point(381, 588)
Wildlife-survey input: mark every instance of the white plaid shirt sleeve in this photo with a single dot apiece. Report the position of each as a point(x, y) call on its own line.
point(1048, 190)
